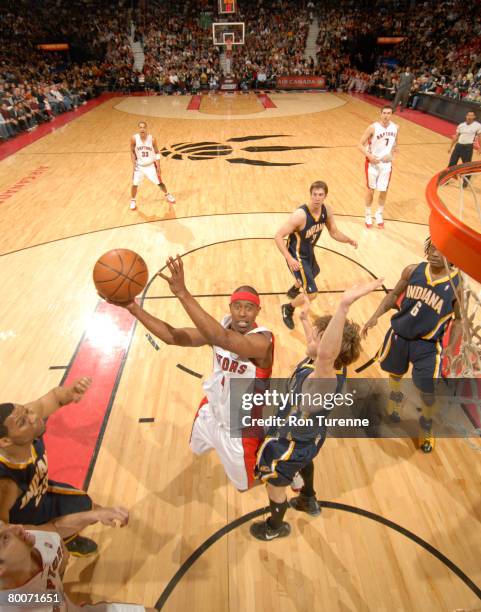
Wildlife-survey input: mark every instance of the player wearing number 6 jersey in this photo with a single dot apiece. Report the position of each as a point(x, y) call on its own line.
point(145, 157)
point(428, 304)
point(378, 143)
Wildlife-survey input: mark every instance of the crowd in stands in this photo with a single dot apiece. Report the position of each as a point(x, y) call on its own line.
point(461, 86)
point(179, 54)
point(442, 44)
point(275, 42)
point(37, 85)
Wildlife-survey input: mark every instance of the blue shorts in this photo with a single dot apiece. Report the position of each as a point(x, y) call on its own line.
point(396, 353)
point(59, 499)
point(307, 274)
point(279, 459)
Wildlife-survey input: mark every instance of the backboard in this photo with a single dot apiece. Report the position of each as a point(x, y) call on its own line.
point(228, 32)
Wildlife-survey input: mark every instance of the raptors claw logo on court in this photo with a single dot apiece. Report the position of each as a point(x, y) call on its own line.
point(209, 150)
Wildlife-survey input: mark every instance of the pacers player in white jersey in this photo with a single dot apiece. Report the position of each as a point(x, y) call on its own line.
point(378, 144)
point(241, 350)
point(145, 159)
point(32, 564)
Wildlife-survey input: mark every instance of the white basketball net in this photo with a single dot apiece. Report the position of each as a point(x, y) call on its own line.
point(464, 202)
point(467, 363)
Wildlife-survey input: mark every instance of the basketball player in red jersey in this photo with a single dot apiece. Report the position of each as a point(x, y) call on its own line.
point(145, 160)
point(378, 143)
point(27, 495)
point(241, 350)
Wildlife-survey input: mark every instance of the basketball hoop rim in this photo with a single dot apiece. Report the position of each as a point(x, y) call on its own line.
point(458, 242)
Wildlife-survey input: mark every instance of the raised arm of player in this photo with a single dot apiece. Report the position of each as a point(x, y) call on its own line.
point(59, 396)
point(363, 145)
point(333, 230)
point(255, 346)
point(311, 344)
point(296, 221)
point(455, 334)
point(390, 299)
point(178, 336)
point(133, 156)
point(329, 345)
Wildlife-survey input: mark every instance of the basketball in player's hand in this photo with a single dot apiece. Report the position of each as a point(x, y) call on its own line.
point(120, 275)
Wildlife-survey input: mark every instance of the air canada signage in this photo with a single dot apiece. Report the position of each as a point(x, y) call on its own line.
point(301, 82)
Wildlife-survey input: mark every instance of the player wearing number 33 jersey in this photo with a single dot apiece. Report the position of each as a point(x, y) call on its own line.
point(145, 158)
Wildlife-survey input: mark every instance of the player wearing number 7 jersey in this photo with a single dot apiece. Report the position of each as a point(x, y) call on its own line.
point(378, 143)
point(428, 304)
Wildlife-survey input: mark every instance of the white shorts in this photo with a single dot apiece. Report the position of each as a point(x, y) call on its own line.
point(149, 171)
point(237, 455)
point(378, 175)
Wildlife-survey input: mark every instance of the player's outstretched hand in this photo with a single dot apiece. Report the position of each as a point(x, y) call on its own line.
point(293, 264)
point(78, 388)
point(113, 516)
point(367, 326)
point(358, 291)
point(176, 280)
point(353, 243)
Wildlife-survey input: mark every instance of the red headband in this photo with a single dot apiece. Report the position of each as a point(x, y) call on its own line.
point(245, 295)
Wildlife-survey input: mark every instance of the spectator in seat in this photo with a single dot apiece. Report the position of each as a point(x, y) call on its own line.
point(261, 79)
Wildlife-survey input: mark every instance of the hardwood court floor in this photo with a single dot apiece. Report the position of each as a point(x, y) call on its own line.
point(55, 227)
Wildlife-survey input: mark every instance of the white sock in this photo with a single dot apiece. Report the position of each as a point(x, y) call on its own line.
point(368, 211)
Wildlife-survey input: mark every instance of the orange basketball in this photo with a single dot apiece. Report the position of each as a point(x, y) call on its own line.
point(120, 275)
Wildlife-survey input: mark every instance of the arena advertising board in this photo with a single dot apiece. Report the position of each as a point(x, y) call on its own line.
point(301, 82)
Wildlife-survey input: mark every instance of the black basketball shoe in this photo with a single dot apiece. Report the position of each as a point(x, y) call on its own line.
point(309, 505)
point(81, 547)
point(262, 531)
point(287, 312)
point(293, 292)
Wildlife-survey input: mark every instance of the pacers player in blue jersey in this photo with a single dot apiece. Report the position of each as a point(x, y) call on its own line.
point(303, 230)
point(27, 495)
point(291, 448)
point(428, 304)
